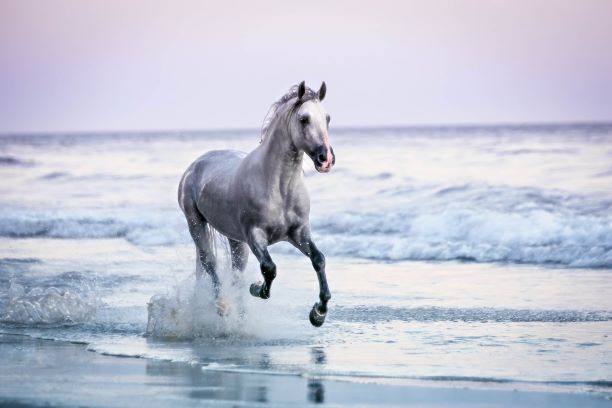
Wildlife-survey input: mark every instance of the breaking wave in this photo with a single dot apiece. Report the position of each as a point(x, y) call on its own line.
point(47, 306)
point(153, 228)
point(539, 237)
point(13, 161)
point(477, 223)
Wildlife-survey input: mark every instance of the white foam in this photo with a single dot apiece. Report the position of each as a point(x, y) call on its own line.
point(481, 235)
point(48, 306)
point(189, 310)
point(152, 228)
point(473, 221)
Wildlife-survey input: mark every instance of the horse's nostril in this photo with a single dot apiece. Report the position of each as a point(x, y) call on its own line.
point(321, 154)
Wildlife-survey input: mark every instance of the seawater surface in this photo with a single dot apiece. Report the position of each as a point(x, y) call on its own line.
point(478, 255)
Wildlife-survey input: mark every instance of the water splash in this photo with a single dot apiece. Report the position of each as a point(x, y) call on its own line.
point(47, 306)
point(190, 311)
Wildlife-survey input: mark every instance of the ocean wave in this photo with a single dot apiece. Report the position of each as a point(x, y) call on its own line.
point(14, 161)
point(373, 314)
point(466, 222)
point(101, 177)
point(155, 229)
point(515, 152)
point(54, 175)
point(606, 173)
point(46, 306)
point(477, 223)
point(538, 237)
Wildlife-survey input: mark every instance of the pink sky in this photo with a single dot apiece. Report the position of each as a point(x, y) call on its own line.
point(150, 65)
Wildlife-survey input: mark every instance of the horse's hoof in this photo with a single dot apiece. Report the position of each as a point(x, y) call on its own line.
point(316, 318)
point(223, 307)
point(256, 290)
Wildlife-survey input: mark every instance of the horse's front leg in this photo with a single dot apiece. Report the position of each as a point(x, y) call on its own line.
point(258, 243)
point(301, 240)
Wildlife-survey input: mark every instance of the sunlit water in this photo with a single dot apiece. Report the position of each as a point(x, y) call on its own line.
point(479, 255)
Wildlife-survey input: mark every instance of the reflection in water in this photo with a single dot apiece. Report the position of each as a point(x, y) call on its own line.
point(208, 385)
point(264, 362)
point(316, 389)
point(199, 383)
point(318, 356)
point(261, 394)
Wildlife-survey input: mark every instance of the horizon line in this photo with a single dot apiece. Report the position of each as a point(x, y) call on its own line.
point(339, 128)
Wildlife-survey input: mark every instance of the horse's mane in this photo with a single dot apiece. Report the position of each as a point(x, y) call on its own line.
point(275, 108)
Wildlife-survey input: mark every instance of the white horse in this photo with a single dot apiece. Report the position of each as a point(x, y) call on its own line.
point(260, 198)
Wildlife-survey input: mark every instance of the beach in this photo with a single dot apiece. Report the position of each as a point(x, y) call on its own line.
point(468, 266)
point(38, 372)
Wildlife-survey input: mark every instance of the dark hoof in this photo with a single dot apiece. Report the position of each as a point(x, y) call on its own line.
point(316, 318)
point(256, 290)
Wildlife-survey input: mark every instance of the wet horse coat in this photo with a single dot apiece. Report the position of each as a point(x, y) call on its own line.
point(260, 198)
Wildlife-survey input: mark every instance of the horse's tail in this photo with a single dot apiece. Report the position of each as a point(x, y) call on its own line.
point(217, 241)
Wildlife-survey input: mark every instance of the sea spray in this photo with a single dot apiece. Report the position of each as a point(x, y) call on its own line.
point(189, 310)
point(47, 306)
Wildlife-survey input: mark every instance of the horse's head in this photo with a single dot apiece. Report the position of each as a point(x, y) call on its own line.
point(308, 127)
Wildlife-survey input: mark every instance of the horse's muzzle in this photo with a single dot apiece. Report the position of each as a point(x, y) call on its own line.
point(324, 158)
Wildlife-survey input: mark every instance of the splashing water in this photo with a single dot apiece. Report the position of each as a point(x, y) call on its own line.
point(50, 306)
point(190, 311)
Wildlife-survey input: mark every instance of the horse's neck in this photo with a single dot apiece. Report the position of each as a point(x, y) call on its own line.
point(281, 160)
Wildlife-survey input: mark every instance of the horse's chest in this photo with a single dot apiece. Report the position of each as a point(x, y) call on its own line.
point(278, 221)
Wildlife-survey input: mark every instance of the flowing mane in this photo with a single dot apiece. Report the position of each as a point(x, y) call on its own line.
point(275, 108)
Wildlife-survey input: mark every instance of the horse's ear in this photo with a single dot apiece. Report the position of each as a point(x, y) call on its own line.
point(322, 91)
point(301, 89)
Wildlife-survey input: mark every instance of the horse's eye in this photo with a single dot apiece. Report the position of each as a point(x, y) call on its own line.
point(304, 120)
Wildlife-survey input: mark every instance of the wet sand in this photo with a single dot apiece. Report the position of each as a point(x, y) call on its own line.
point(36, 372)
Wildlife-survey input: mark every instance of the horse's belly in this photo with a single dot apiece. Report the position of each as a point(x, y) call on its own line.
point(221, 214)
point(214, 200)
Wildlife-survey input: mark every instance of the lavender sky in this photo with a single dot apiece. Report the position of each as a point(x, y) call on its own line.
point(150, 65)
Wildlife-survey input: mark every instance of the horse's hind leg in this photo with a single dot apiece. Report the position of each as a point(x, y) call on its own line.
point(240, 254)
point(205, 256)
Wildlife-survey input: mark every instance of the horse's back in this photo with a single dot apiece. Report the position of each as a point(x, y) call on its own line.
point(216, 167)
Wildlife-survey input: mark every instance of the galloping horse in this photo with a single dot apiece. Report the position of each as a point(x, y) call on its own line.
point(258, 199)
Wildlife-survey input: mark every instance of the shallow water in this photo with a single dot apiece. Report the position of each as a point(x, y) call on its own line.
point(479, 255)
